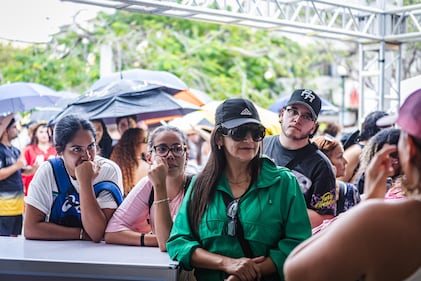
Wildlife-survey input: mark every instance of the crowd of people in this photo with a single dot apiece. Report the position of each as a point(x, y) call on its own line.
point(230, 204)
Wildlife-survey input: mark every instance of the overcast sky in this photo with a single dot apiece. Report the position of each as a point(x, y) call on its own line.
point(35, 20)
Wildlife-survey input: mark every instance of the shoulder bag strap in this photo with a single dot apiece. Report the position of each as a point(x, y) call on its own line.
point(245, 245)
point(300, 156)
point(341, 198)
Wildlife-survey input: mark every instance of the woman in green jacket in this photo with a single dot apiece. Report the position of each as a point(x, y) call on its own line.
point(243, 215)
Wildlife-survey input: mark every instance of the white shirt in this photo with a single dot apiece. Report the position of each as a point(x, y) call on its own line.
point(41, 188)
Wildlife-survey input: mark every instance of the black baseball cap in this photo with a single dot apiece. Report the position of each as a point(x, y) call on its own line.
point(235, 112)
point(307, 98)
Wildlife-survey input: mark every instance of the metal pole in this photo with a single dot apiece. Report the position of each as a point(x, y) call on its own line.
point(343, 102)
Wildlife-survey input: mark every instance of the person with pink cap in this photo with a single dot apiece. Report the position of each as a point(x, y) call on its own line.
point(382, 236)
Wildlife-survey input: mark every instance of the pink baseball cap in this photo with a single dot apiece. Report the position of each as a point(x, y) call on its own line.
point(409, 116)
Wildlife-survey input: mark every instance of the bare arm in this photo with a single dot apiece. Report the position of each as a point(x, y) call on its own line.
point(379, 169)
point(94, 219)
point(317, 219)
point(129, 237)
point(325, 256)
point(163, 221)
point(35, 227)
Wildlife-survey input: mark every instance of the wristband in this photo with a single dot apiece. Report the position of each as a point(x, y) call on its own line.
point(157, 202)
point(81, 234)
point(142, 239)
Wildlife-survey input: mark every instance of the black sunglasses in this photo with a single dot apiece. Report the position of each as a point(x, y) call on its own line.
point(257, 132)
point(232, 213)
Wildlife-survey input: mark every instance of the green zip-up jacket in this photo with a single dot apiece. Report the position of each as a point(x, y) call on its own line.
point(273, 214)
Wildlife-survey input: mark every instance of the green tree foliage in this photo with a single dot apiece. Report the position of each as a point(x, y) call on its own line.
point(221, 60)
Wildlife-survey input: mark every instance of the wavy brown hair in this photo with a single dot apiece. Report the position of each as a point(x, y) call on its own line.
point(326, 144)
point(127, 153)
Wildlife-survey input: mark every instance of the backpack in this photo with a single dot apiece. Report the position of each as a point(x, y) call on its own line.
point(66, 203)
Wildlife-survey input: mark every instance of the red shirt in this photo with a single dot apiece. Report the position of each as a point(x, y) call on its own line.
point(31, 153)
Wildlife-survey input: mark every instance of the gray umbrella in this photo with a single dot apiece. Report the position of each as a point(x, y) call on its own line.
point(169, 81)
point(24, 96)
point(127, 97)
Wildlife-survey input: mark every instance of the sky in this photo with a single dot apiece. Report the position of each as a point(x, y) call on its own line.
point(35, 20)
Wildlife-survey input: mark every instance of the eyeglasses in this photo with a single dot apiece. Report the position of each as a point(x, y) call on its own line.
point(257, 132)
point(163, 150)
point(292, 112)
point(232, 212)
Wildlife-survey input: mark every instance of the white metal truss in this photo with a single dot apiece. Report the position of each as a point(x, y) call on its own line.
point(338, 19)
point(375, 28)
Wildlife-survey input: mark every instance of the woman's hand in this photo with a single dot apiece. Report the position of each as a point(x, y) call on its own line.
point(244, 269)
point(87, 171)
point(158, 172)
point(379, 169)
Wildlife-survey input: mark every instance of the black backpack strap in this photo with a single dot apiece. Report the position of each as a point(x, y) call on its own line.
point(341, 199)
point(245, 245)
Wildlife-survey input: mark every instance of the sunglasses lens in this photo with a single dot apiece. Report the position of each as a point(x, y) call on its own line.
point(258, 134)
point(232, 209)
point(231, 231)
point(240, 133)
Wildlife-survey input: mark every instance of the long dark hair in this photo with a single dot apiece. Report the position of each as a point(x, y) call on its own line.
point(106, 142)
point(204, 187)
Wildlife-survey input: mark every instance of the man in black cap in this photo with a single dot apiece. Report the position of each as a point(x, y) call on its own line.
point(293, 149)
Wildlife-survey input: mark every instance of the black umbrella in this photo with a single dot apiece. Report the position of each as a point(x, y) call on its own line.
point(127, 97)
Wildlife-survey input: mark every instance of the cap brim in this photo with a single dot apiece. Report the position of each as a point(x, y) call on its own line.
point(386, 121)
point(306, 105)
point(238, 122)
